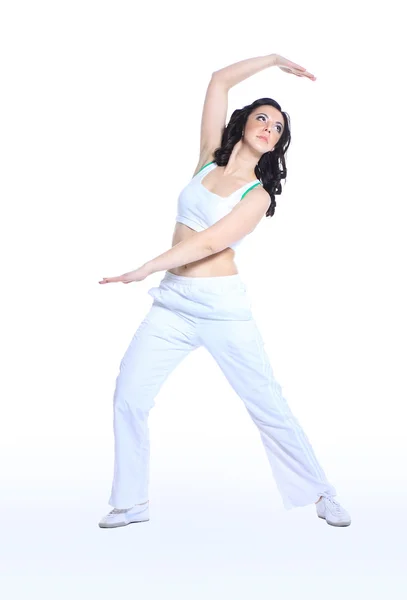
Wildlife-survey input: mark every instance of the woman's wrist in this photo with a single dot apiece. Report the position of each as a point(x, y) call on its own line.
point(148, 268)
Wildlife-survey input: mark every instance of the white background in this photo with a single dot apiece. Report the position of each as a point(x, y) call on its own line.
point(89, 191)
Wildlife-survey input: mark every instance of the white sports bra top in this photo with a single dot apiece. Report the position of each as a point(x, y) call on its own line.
point(198, 208)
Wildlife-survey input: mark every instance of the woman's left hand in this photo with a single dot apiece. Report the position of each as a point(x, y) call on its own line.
point(291, 67)
point(137, 275)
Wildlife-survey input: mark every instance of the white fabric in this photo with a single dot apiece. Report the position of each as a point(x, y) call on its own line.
point(198, 208)
point(214, 312)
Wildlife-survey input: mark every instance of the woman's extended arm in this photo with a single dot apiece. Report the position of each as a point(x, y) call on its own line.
point(190, 250)
point(235, 225)
point(243, 69)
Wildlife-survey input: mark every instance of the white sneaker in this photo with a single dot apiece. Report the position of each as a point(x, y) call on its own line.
point(118, 517)
point(329, 509)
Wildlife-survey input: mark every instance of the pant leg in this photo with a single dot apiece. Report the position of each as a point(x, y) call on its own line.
point(162, 341)
point(238, 348)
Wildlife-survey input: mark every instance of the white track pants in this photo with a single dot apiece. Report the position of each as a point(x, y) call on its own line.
point(214, 312)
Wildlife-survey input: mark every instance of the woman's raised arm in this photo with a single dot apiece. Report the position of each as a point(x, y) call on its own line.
point(237, 72)
point(216, 100)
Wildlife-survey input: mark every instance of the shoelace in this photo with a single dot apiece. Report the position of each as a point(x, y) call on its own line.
point(117, 511)
point(336, 507)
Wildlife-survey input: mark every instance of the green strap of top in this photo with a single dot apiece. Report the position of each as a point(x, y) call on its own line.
point(212, 161)
point(250, 188)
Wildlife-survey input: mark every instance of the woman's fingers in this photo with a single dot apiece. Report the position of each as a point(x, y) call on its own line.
point(295, 66)
point(111, 279)
point(136, 275)
point(281, 61)
point(125, 278)
point(291, 67)
point(300, 74)
point(306, 74)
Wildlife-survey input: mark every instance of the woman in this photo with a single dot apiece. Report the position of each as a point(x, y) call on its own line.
point(201, 301)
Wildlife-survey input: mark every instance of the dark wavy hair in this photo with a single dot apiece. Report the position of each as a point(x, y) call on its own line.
point(271, 168)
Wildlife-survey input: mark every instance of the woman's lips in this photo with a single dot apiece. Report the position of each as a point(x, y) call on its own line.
point(261, 137)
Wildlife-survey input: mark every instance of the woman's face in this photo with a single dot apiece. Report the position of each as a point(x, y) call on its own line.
point(264, 121)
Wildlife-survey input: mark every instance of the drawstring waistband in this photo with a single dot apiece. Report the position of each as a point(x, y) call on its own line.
point(216, 283)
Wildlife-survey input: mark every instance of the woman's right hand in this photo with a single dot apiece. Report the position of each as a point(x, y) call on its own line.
point(290, 67)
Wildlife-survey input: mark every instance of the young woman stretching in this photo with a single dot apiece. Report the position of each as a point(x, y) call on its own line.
point(202, 301)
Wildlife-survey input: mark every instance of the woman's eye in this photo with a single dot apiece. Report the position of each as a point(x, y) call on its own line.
point(280, 129)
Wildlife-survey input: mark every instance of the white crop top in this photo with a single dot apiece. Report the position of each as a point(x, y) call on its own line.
point(198, 208)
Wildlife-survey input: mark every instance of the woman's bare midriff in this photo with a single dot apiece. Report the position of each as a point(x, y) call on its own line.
point(216, 265)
